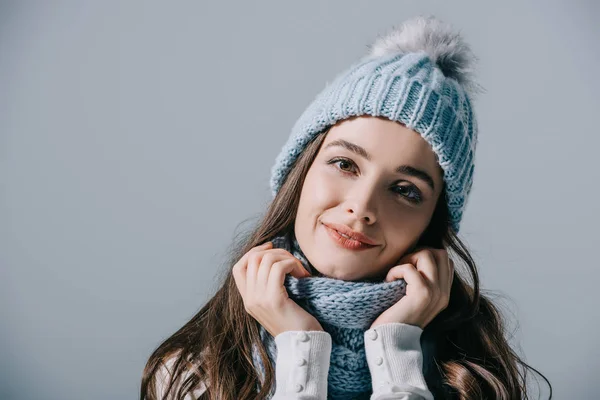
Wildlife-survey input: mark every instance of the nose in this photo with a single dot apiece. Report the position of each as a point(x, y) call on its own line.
point(361, 205)
point(368, 217)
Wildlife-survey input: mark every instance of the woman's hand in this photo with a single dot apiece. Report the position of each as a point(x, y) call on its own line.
point(259, 276)
point(428, 274)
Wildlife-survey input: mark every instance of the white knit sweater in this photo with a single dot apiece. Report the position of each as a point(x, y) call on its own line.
point(393, 354)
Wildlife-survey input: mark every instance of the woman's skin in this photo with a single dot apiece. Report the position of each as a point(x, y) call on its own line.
point(368, 195)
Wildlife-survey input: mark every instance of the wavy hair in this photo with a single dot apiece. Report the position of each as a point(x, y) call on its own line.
point(473, 358)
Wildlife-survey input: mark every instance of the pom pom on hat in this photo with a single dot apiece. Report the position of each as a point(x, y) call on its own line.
point(420, 75)
point(442, 43)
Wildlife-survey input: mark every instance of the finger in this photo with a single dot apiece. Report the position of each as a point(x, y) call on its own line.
point(264, 269)
point(446, 275)
point(260, 247)
point(240, 268)
point(240, 281)
point(443, 262)
point(409, 273)
point(446, 269)
point(446, 278)
point(280, 270)
point(449, 272)
point(276, 279)
point(254, 260)
point(425, 262)
point(299, 271)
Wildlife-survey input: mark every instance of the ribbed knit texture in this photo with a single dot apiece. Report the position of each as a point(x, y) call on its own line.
point(404, 87)
point(345, 310)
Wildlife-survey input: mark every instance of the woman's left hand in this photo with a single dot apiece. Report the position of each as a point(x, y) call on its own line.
point(428, 274)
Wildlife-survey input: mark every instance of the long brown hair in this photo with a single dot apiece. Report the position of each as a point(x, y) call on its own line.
point(473, 358)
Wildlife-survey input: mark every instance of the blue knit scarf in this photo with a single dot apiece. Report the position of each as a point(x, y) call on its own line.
point(346, 310)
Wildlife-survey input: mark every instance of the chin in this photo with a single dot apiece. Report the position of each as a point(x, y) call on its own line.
point(341, 275)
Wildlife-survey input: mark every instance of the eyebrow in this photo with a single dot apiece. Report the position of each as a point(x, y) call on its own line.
point(402, 169)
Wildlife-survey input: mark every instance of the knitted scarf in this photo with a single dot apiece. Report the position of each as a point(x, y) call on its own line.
point(346, 310)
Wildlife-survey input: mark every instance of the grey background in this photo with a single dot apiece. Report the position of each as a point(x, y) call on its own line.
point(137, 136)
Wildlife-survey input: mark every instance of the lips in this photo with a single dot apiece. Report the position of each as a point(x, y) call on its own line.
point(344, 230)
point(346, 243)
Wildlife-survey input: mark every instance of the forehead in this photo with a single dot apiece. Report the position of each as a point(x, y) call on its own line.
point(385, 141)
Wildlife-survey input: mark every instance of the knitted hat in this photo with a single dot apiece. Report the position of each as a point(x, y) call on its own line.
point(419, 75)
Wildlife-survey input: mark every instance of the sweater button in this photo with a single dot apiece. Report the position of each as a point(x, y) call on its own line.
point(373, 334)
point(383, 384)
point(303, 337)
point(379, 361)
point(300, 362)
point(298, 387)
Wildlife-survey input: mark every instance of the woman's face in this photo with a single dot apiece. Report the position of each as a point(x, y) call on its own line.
point(363, 190)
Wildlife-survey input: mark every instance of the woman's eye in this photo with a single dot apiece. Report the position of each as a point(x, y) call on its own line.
point(342, 161)
point(417, 198)
point(411, 193)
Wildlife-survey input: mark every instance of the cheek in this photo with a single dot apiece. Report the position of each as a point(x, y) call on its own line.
point(402, 224)
point(321, 188)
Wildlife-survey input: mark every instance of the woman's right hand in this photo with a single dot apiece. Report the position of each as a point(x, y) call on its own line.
point(259, 276)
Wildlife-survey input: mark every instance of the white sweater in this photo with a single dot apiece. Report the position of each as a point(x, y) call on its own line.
point(393, 354)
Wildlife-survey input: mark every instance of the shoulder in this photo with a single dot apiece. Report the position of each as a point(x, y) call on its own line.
point(163, 377)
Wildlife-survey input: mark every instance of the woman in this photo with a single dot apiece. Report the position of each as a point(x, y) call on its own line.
point(347, 289)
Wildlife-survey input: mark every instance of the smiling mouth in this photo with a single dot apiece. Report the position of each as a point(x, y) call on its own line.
point(345, 241)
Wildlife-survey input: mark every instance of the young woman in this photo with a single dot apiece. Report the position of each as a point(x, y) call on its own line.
point(347, 287)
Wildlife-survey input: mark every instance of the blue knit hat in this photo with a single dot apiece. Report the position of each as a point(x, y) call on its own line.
point(419, 75)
